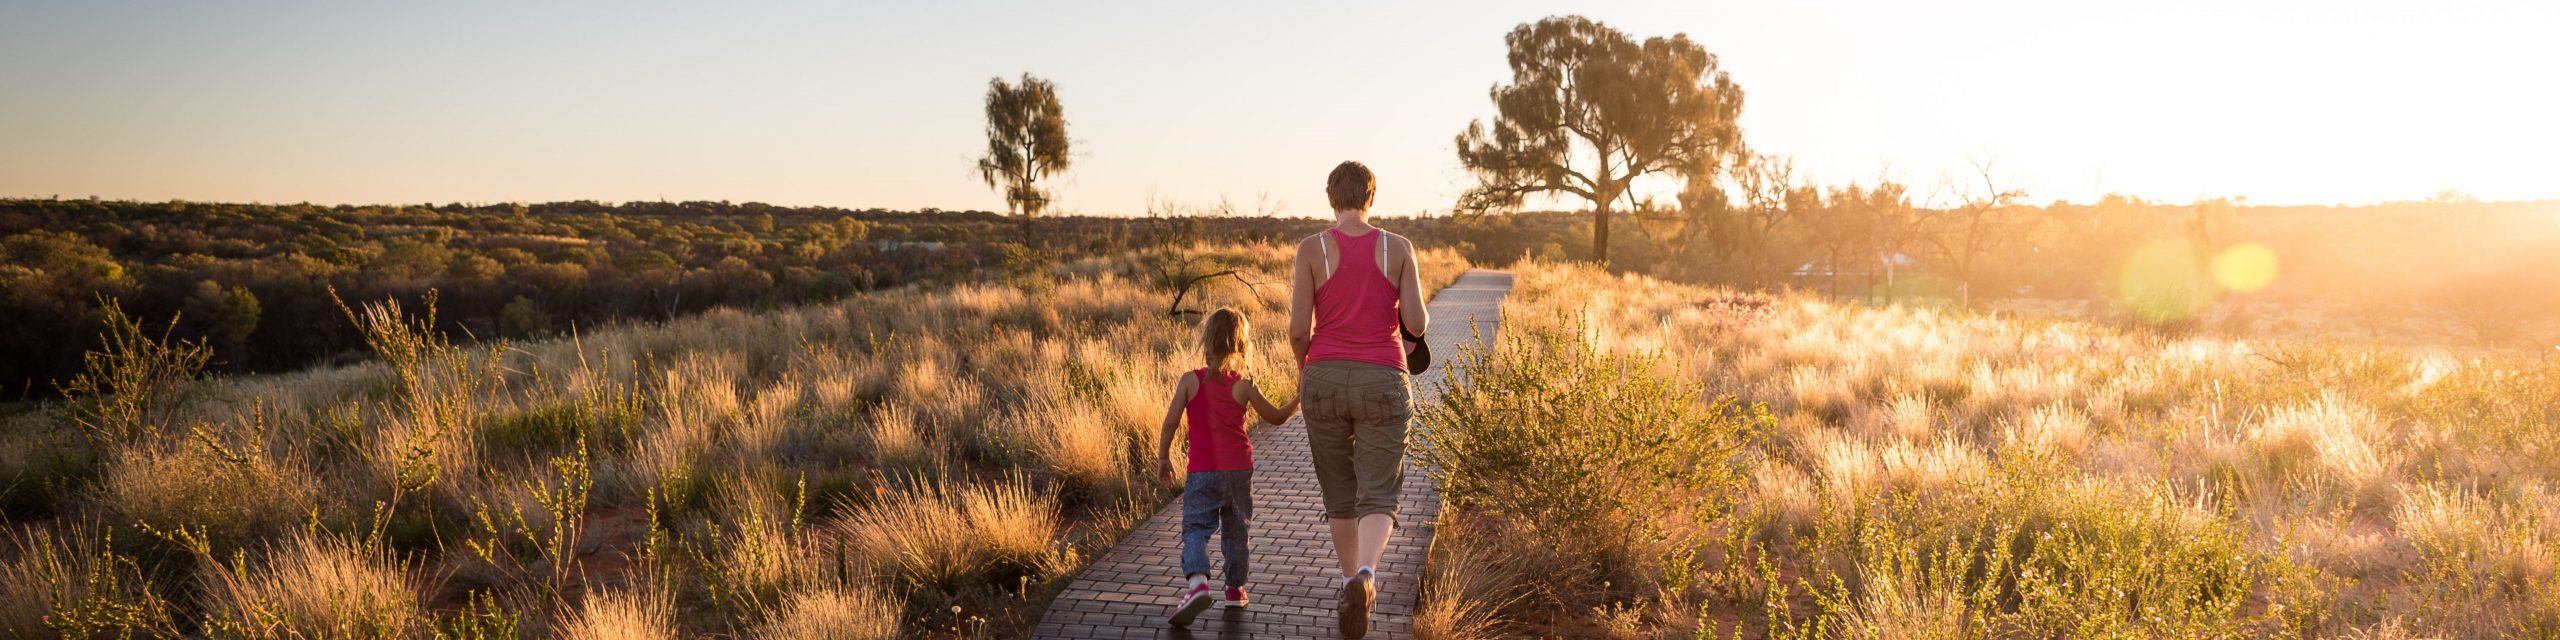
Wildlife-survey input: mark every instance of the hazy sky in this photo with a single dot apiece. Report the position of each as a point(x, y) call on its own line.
point(868, 104)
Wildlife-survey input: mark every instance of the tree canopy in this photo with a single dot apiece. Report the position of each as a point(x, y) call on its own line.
point(1589, 110)
point(1026, 142)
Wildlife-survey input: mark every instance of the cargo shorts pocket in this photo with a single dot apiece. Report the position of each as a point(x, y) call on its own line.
point(1386, 400)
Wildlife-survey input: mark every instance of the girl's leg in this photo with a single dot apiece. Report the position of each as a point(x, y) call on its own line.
point(1235, 528)
point(1200, 514)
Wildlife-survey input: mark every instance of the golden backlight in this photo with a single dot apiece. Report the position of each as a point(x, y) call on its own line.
point(2245, 268)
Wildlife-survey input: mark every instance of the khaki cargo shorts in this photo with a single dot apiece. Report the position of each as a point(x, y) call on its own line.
point(1356, 418)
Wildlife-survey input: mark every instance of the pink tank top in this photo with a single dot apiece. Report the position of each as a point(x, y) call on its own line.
point(1217, 436)
point(1358, 309)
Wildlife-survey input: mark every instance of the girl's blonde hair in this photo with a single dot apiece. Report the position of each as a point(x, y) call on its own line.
point(1225, 340)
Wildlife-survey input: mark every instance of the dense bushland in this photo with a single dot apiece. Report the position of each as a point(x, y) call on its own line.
point(255, 282)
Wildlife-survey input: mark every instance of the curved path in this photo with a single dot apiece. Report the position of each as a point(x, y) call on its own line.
point(1129, 591)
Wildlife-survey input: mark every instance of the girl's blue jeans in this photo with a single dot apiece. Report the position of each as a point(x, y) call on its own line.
point(1219, 502)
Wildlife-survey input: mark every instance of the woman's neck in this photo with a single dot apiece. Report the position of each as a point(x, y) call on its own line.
point(1352, 221)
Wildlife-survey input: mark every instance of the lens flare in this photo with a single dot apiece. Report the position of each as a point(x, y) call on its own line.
point(2245, 268)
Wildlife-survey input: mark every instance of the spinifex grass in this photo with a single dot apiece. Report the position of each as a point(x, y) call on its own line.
point(1931, 473)
point(736, 473)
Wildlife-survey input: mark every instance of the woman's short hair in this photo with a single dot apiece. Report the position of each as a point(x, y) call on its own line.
point(1351, 186)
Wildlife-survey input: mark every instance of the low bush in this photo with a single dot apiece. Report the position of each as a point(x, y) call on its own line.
point(231, 498)
point(1607, 463)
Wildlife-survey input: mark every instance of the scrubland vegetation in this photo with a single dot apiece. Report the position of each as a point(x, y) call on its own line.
point(254, 281)
point(1648, 459)
point(917, 461)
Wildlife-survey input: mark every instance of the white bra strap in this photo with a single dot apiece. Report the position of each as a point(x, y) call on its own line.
point(1325, 240)
point(1382, 257)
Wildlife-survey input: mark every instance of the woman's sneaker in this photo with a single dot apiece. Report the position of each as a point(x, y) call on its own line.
point(1359, 593)
point(1194, 600)
point(1236, 599)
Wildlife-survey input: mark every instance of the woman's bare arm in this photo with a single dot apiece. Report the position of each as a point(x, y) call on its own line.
point(1302, 297)
point(1417, 312)
point(1249, 395)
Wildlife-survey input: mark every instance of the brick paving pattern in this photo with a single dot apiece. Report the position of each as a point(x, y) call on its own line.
point(1130, 590)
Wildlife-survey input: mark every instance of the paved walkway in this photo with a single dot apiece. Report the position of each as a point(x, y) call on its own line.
point(1129, 591)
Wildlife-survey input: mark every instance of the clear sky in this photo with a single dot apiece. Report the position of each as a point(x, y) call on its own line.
point(863, 104)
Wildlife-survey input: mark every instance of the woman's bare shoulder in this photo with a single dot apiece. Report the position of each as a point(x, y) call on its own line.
point(1400, 242)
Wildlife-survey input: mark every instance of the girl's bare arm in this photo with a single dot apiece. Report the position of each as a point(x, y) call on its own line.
point(1251, 396)
point(1182, 391)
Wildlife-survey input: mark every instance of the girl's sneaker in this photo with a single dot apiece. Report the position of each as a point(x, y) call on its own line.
point(1194, 601)
point(1236, 599)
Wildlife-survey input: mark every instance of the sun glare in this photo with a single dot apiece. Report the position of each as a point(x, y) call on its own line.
point(2245, 268)
point(2160, 282)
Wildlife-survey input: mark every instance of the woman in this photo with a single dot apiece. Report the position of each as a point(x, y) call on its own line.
point(1354, 284)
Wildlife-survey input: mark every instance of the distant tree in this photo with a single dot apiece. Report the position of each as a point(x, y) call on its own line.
point(1589, 111)
point(851, 230)
point(1983, 217)
point(1837, 226)
point(1855, 227)
point(1894, 229)
point(523, 318)
point(1765, 184)
point(1265, 207)
point(1026, 142)
point(225, 316)
point(1734, 216)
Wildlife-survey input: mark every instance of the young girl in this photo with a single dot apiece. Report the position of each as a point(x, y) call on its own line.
point(1217, 496)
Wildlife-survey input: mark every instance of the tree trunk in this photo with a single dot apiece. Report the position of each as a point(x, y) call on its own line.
point(1964, 284)
point(1831, 281)
point(1600, 233)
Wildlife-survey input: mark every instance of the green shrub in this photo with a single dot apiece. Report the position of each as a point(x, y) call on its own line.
point(539, 429)
point(42, 470)
point(1601, 457)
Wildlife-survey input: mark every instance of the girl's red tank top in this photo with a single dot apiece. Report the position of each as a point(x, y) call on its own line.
point(1217, 436)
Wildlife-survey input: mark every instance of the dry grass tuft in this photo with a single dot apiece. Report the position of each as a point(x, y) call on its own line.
point(621, 615)
point(1461, 591)
point(949, 538)
point(834, 613)
point(315, 587)
point(233, 500)
point(1078, 447)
